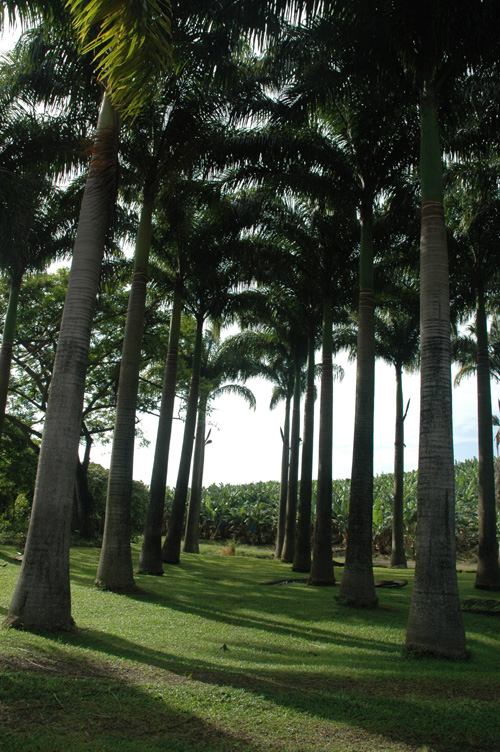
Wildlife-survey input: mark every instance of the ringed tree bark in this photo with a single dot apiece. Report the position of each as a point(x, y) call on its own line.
point(488, 568)
point(115, 569)
point(358, 586)
point(285, 463)
point(322, 572)
point(435, 624)
point(42, 597)
point(191, 535)
point(172, 545)
point(288, 549)
point(9, 332)
point(302, 554)
point(150, 558)
point(398, 553)
point(84, 498)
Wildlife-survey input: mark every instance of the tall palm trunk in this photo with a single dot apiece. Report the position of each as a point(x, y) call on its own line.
point(358, 586)
point(84, 498)
point(9, 331)
point(302, 556)
point(288, 550)
point(435, 623)
point(42, 598)
point(285, 463)
point(322, 563)
point(398, 553)
point(192, 533)
point(115, 564)
point(172, 546)
point(150, 557)
point(488, 569)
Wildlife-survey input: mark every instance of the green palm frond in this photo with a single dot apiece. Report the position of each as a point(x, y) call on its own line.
point(464, 372)
point(239, 391)
point(131, 42)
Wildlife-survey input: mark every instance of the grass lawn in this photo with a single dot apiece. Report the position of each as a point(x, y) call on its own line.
point(148, 672)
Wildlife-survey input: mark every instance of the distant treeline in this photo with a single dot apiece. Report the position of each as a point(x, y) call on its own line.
point(248, 512)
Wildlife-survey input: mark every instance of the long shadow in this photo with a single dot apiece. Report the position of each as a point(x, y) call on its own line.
point(404, 701)
point(47, 709)
point(392, 708)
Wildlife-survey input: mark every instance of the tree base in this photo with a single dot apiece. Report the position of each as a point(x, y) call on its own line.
point(12, 621)
point(313, 582)
point(358, 587)
point(491, 586)
point(357, 602)
point(149, 570)
point(116, 588)
point(416, 651)
point(306, 568)
point(191, 549)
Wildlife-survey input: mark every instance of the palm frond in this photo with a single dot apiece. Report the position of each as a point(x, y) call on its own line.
point(131, 43)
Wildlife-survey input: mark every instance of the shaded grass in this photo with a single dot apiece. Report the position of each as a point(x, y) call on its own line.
point(146, 671)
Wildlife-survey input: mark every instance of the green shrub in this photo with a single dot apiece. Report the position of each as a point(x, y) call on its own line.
point(98, 484)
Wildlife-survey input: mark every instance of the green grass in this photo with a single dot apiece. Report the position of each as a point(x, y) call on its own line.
point(146, 671)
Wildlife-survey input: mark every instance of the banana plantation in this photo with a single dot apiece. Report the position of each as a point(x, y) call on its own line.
point(321, 177)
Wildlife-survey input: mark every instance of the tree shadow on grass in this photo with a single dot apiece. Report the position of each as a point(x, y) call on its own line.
point(446, 718)
point(54, 704)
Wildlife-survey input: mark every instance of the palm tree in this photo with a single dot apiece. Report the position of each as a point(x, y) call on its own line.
point(150, 556)
point(364, 132)
point(212, 243)
point(42, 595)
point(319, 245)
point(183, 115)
point(435, 47)
point(278, 368)
point(220, 361)
point(397, 341)
point(473, 211)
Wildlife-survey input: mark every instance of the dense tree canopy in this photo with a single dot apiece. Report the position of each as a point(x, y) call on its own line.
point(266, 166)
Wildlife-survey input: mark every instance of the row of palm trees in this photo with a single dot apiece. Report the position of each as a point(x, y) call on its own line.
point(328, 121)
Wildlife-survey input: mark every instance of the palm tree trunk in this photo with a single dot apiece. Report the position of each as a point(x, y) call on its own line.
point(9, 331)
point(435, 623)
point(488, 569)
point(84, 498)
point(358, 586)
point(42, 598)
point(150, 558)
point(302, 556)
point(172, 546)
point(285, 462)
point(115, 570)
point(192, 533)
point(398, 553)
point(322, 563)
point(288, 550)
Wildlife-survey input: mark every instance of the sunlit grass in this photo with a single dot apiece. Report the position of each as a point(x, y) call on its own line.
point(149, 671)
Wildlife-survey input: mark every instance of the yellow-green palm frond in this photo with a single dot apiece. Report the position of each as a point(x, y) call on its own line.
point(131, 42)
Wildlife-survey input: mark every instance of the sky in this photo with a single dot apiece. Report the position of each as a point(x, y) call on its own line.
point(246, 445)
